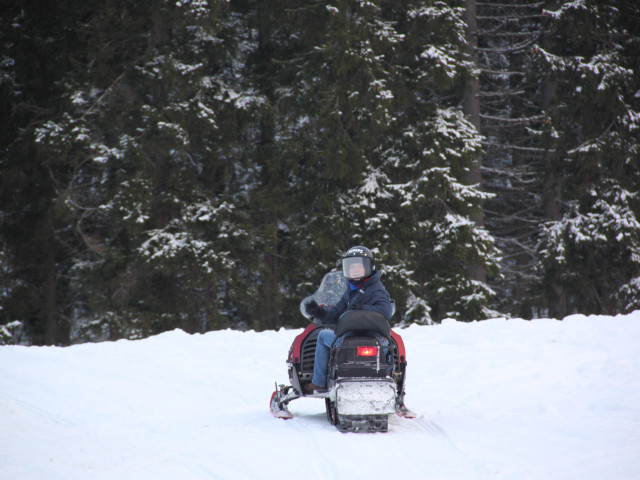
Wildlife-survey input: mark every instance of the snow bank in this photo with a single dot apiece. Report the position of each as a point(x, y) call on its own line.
point(499, 399)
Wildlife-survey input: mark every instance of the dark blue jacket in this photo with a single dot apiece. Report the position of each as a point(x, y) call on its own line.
point(370, 296)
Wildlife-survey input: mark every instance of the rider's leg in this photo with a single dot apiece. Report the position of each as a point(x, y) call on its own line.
point(323, 350)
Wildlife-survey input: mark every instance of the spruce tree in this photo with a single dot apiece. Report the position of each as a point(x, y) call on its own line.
point(590, 257)
point(151, 180)
point(372, 150)
point(38, 47)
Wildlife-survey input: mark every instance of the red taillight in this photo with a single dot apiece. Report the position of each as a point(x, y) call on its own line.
point(367, 351)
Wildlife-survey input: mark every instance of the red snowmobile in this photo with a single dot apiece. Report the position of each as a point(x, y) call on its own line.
point(366, 375)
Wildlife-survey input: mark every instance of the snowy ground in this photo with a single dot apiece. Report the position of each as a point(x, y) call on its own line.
point(496, 399)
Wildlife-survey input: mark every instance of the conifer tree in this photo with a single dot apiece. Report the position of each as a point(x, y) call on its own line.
point(370, 154)
point(37, 48)
point(201, 165)
point(590, 256)
point(510, 118)
point(147, 130)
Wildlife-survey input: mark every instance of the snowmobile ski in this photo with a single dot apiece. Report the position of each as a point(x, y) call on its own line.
point(279, 401)
point(403, 411)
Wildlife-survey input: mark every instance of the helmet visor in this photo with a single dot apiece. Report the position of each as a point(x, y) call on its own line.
point(355, 268)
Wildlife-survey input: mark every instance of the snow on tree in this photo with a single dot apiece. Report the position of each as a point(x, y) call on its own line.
point(590, 255)
point(201, 164)
point(149, 181)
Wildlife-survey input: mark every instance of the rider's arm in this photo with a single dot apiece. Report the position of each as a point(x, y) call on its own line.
point(380, 302)
point(334, 313)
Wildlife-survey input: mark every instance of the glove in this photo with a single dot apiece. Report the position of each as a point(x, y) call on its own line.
point(313, 309)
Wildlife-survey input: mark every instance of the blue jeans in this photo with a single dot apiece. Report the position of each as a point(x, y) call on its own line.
point(323, 351)
point(321, 361)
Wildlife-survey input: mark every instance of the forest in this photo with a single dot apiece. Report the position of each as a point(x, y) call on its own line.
point(200, 164)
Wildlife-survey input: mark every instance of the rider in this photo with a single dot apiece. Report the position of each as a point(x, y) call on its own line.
point(365, 292)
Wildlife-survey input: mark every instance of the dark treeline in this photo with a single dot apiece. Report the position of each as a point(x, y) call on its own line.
point(201, 164)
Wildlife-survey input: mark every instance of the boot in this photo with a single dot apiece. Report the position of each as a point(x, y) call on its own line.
point(310, 387)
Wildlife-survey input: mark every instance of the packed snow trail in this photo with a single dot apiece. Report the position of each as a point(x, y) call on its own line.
point(498, 399)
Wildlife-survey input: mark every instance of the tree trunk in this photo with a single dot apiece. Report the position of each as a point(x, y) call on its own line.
point(509, 111)
point(49, 303)
point(472, 111)
point(552, 188)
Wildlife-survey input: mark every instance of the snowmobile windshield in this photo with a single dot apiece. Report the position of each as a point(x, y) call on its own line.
point(355, 268)
point(331, 289)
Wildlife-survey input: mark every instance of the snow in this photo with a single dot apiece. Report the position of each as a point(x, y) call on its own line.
point(444, 61)
point(498, 399)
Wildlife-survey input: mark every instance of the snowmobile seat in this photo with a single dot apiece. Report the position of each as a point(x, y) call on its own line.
point(363, 321)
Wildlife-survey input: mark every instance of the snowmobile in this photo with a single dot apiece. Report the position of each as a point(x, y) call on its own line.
point(366, 371)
